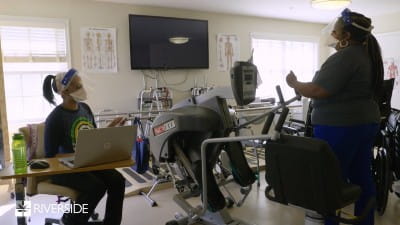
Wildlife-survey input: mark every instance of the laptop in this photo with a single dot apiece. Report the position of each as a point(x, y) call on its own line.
point(102, 145)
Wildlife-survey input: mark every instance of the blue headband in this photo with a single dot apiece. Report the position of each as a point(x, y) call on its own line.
point(346, 17)
point(68, 76)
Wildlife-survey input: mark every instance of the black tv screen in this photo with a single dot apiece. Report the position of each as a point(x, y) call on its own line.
point(168, 43)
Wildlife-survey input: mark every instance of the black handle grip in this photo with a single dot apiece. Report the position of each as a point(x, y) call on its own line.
point(268, 123)
point(280, 95)
point(282, 118)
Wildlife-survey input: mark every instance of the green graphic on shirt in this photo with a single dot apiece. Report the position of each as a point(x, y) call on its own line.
point(81, 123)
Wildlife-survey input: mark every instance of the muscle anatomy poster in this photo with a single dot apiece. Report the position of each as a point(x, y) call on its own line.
point(391, 66)
point(228, 51)
point(390, 45)
point(99, 49)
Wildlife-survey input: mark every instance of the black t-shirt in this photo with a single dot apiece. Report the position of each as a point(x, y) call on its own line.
point(347, 76)
point(62, 126)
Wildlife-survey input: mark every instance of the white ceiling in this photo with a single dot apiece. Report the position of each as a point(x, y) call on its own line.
point(299, 10)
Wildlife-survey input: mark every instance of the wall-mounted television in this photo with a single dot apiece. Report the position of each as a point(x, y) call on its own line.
point(168, 43)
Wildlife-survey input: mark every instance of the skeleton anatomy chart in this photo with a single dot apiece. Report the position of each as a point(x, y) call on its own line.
point(99, 49)
point(228, 51)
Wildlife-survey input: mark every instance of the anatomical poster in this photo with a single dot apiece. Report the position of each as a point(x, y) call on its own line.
point(390, 45)
point(228, 51)
point(99, 50)
point(391, 66)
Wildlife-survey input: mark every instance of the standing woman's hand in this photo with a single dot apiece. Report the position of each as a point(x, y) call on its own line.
point(291, 79)
point(308, 89)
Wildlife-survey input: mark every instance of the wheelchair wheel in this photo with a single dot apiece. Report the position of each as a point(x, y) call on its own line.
point(382, 175)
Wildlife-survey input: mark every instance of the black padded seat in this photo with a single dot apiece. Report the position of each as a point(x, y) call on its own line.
point(305, 172)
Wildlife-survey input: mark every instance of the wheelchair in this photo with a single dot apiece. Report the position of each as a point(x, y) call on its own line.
point(386, 165)
point(386, 162)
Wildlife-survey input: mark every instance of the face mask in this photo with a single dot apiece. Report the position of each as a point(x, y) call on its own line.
point(79, 95)
point(331, 41)
point(326, 36)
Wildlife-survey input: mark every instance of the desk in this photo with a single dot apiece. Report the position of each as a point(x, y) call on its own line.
point(55, 168)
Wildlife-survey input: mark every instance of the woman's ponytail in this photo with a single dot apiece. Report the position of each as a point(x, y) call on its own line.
point(48, 89)
point(362, 33)
point(374, 52)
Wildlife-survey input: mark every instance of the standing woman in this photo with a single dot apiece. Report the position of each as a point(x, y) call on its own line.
point(345, 110)
point(61, 130)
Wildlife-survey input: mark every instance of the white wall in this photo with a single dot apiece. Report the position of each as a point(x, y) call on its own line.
point(386, 23)
point(119, 91)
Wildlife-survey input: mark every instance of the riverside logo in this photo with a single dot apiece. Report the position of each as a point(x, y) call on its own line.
point(25, 208)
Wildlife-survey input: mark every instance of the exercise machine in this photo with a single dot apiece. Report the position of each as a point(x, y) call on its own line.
point(192, 135)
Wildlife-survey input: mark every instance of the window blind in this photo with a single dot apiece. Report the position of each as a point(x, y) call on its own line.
point(33, 44)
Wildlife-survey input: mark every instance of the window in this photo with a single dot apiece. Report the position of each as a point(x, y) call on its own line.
point(275, 56)
point(32, 49)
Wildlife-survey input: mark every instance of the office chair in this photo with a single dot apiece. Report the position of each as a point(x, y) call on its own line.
point(34, 139)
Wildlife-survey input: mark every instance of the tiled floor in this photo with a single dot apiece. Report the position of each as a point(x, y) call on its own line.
point(256, 210)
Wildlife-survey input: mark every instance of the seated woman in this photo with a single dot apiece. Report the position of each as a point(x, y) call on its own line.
point(61, 129)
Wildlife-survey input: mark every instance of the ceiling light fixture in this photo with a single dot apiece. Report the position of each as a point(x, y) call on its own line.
point(330, 4)
point(178, 40)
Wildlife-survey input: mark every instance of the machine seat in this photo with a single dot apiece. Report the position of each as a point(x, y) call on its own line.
point(305, 172)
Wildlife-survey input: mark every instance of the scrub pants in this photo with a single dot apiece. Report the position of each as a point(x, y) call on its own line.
point(352, 146)
point(91, 187)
